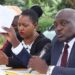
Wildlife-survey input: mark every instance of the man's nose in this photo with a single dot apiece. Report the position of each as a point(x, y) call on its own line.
point(58, 28)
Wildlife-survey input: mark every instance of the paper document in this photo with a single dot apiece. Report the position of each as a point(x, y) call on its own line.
point(4, 67)
point(6, 18)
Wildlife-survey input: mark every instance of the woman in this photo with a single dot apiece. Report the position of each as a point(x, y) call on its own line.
point(33, 41)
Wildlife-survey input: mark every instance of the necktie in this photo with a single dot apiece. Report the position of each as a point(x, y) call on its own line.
point(64, 56)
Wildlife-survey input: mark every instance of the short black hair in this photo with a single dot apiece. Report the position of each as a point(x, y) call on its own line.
point(32, 14)
point(15, 20)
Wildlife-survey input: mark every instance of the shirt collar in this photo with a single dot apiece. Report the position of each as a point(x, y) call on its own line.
point(27, 46)
point(70, 43)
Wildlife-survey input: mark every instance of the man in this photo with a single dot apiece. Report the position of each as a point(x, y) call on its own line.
point(63, 62)
point(7, 56)
point(65, 31)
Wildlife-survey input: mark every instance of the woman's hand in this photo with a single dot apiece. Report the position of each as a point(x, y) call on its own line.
point(10, 33)
point(11, 36)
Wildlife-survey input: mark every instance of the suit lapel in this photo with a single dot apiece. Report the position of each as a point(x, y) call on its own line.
point(56, 51)
point(71, 60)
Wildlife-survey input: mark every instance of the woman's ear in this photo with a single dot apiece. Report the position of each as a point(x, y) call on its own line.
point(36, 26)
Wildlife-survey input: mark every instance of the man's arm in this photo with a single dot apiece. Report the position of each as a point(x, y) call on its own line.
point(38, 64)
point(63, 71)
point(23, 58)
point(41, 66)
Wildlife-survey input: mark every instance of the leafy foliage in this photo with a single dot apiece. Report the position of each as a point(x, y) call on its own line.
point(45, 23)
point(2, 1)
point(50, 8)
point(2, 40)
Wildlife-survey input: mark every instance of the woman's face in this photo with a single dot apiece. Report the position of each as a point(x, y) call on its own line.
point(26, 27)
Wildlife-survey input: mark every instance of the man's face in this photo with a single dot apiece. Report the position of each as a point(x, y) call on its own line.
point(64, 27)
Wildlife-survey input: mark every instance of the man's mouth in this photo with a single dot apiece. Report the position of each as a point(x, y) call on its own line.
point(59, 35)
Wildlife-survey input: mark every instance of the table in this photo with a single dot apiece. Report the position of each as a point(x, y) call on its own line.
point(18, 71)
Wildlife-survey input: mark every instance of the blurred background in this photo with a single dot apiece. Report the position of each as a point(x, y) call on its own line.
point(50, 8)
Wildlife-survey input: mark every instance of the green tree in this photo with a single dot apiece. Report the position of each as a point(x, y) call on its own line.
point(66, 4)
point(2, 1)
point(49, 7)
point(19, 3)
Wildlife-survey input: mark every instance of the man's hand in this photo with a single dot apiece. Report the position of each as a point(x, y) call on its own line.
point(3, 58)
point(38, 64)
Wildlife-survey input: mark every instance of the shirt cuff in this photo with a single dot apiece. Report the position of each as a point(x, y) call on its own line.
point(18, 49)
point(50, 69)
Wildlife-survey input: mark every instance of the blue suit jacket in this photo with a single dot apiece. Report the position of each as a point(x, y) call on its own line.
point(36, 48)
point(23, 57)
point(63, 71)
point(56, 50)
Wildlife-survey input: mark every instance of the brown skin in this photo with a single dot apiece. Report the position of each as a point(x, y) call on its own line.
point(65, 26)
point(10, 36)
point(3, 58)
point(14, 23)
point(27, 29)
point(38, 64)
point(65, 30)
